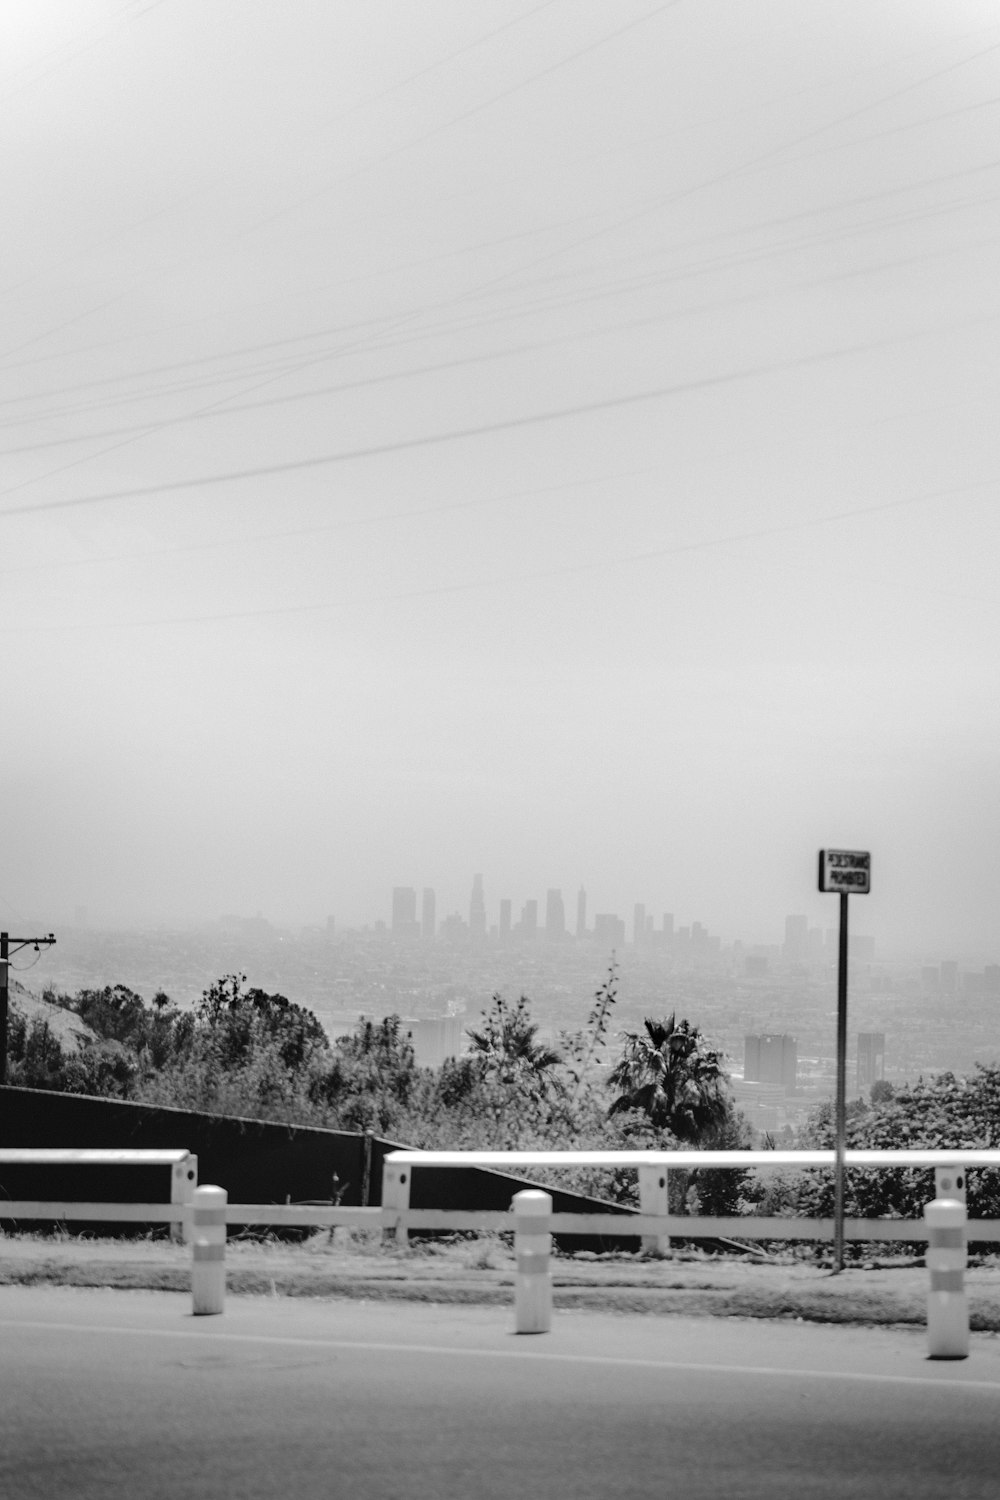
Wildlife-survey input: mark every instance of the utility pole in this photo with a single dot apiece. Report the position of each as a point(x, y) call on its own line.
point(10, 945)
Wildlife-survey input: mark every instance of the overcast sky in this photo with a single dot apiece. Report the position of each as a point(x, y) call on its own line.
point(553, 440)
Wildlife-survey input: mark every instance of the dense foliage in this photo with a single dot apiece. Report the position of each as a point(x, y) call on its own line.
point(936, 1113)
point(245, 1052)
point(242, 1051)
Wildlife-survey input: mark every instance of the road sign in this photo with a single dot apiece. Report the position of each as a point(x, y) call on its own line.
point(846, 870)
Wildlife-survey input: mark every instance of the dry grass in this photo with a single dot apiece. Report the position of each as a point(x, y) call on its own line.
point(481, 1270)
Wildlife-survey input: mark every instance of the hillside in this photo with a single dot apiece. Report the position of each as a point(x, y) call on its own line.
point(69, 1030)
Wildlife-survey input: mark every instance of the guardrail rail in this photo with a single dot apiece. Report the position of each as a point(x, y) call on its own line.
point(654, 1225)
point(183, 1166)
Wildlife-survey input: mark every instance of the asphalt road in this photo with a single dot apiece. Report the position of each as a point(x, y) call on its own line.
point(125, 1393)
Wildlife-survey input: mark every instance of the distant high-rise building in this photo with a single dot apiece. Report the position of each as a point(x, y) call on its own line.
point(428, 913)
point(639, 923)
point(581, 913)
point(529, 921)
point(770, 1059)
point(404, 911)
point(871, 1059)
point(555, 917)
point(477, 909)
point(796, 939)
point(331, 925)
point(505, 920)
point(454, 929)
point(609, 930)
point(668, 927)
point(949, 977)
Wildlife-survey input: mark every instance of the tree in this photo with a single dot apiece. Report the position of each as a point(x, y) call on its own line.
point(507, 1048)
point(371, 1078)
point(241, 1021)
point(670, 1076)
point(581, 1048)
point(507, 1089)
point(943, 1112)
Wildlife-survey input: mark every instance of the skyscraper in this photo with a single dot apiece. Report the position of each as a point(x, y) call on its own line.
point(609, 930)
point(477, 909)
point(428, 911)
point(404, 911)
point(505, 920)
point(639, 923)
point(771, 1059)
point(796, 939)
point(529, 921)
point(581, 913)
point(871, 1059)
point(555, 917)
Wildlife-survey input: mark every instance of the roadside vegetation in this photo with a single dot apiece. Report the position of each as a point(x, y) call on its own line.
point(242, 1051)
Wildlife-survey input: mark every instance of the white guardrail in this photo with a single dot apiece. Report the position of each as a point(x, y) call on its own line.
point(183, 1166)
point(653, 1224)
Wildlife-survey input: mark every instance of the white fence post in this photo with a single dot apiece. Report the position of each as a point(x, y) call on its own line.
point(183, 1181)
point(208, 1253)
point(396, 1197)
point(947, 1302)
point(654, 1199)
point(532, 1248)
point(950, 1182)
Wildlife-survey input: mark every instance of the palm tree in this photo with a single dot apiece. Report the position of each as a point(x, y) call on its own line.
point(669, 1074)
point(507, 1047)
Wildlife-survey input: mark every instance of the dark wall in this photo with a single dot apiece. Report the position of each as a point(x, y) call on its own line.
point(254, 1160)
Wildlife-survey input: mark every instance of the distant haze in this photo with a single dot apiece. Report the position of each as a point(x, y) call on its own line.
point(556, 441)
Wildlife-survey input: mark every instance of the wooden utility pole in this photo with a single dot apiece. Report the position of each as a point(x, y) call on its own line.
point(10, 945)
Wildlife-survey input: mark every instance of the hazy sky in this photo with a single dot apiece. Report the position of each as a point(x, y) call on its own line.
point(552, 440)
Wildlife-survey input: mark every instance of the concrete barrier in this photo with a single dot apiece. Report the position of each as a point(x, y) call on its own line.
point(533, 1252)
point(947, 1301)
point(208, 1252)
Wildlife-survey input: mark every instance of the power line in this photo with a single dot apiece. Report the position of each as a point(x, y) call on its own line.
point(458, 434)
point(601, 565)
point(622, 288)
point(446, 507)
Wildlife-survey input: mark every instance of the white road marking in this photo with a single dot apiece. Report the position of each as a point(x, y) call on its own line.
point(688, 1367)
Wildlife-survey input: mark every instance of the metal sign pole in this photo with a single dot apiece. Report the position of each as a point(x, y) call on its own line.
point(4, 966)
point(841, 1101)
point(848, 872)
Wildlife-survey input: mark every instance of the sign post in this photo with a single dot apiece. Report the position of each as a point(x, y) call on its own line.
point(848, 872)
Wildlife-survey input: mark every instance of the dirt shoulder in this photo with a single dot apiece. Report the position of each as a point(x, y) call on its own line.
point(483, 1272)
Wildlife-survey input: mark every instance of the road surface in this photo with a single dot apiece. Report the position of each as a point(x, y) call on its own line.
point(108, 1394)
